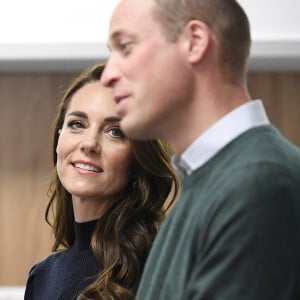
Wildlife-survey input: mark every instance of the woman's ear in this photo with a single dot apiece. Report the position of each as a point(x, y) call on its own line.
point(197, 36)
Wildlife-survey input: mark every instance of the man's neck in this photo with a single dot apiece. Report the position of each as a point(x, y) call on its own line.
point(203, 112)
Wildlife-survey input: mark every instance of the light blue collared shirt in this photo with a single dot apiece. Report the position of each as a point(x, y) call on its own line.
point(249, 115)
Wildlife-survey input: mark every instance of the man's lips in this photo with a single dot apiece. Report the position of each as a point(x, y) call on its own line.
point(119, 98)
point(121, 102)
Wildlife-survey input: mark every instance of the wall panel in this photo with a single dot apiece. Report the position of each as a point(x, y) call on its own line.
point(280, 93)
point(28, 103)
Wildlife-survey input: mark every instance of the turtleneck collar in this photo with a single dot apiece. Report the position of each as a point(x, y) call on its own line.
point(83, 234)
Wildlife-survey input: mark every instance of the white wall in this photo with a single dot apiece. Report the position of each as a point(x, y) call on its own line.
point(273, 19)
point(275, 28)
point(55, 21)
point(12, 293)
point(71, 34)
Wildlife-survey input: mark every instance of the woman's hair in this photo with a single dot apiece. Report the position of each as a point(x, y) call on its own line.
point(225, 18)
point(123, 235)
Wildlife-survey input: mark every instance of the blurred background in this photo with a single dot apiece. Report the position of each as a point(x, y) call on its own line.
point(43, 46)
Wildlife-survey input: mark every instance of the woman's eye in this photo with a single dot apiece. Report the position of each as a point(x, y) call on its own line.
point(75, 124)
point(116, 133)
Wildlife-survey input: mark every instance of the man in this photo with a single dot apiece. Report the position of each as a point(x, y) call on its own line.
point(178, 71)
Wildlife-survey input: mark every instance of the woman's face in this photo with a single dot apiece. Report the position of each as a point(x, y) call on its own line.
point(93, 156)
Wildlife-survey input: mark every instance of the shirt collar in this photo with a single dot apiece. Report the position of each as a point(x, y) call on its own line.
point(238, 121)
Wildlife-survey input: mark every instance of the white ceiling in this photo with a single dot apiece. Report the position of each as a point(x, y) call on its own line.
point(71, 34)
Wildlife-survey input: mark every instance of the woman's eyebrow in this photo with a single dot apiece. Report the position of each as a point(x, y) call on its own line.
point(80, 114)
point(107, 120)
point(112, 119)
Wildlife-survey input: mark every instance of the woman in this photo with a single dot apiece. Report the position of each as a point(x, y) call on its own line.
point(107, 199)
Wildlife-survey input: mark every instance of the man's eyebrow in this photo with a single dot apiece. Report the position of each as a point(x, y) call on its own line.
point(114, 37)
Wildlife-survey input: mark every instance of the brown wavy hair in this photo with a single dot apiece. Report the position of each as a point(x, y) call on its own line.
point(123, 235)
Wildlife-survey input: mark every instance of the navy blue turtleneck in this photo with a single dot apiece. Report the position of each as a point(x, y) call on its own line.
point(65, 274)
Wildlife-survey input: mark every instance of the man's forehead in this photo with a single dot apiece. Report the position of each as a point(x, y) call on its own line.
point(128, 15)
point(132, 8)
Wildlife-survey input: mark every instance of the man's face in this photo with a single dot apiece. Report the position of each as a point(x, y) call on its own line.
point(146, 72)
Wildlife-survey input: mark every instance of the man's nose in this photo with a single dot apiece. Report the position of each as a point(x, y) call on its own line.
point(110, 74)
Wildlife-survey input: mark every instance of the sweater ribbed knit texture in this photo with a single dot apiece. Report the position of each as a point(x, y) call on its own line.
point(63, 275)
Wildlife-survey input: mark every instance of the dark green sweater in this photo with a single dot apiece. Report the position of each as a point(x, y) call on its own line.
point(235, 232)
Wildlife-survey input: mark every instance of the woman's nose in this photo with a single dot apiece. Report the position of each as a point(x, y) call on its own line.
point(91, 143)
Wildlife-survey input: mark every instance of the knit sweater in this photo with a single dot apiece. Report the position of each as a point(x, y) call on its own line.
point(63, 275)
point(235, 232)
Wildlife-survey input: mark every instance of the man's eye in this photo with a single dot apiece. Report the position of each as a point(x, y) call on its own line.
point(124, 46)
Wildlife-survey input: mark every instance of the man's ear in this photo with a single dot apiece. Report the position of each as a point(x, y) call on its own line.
point(197, 38)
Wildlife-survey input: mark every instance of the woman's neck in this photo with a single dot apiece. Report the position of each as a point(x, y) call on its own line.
point(86, 210)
